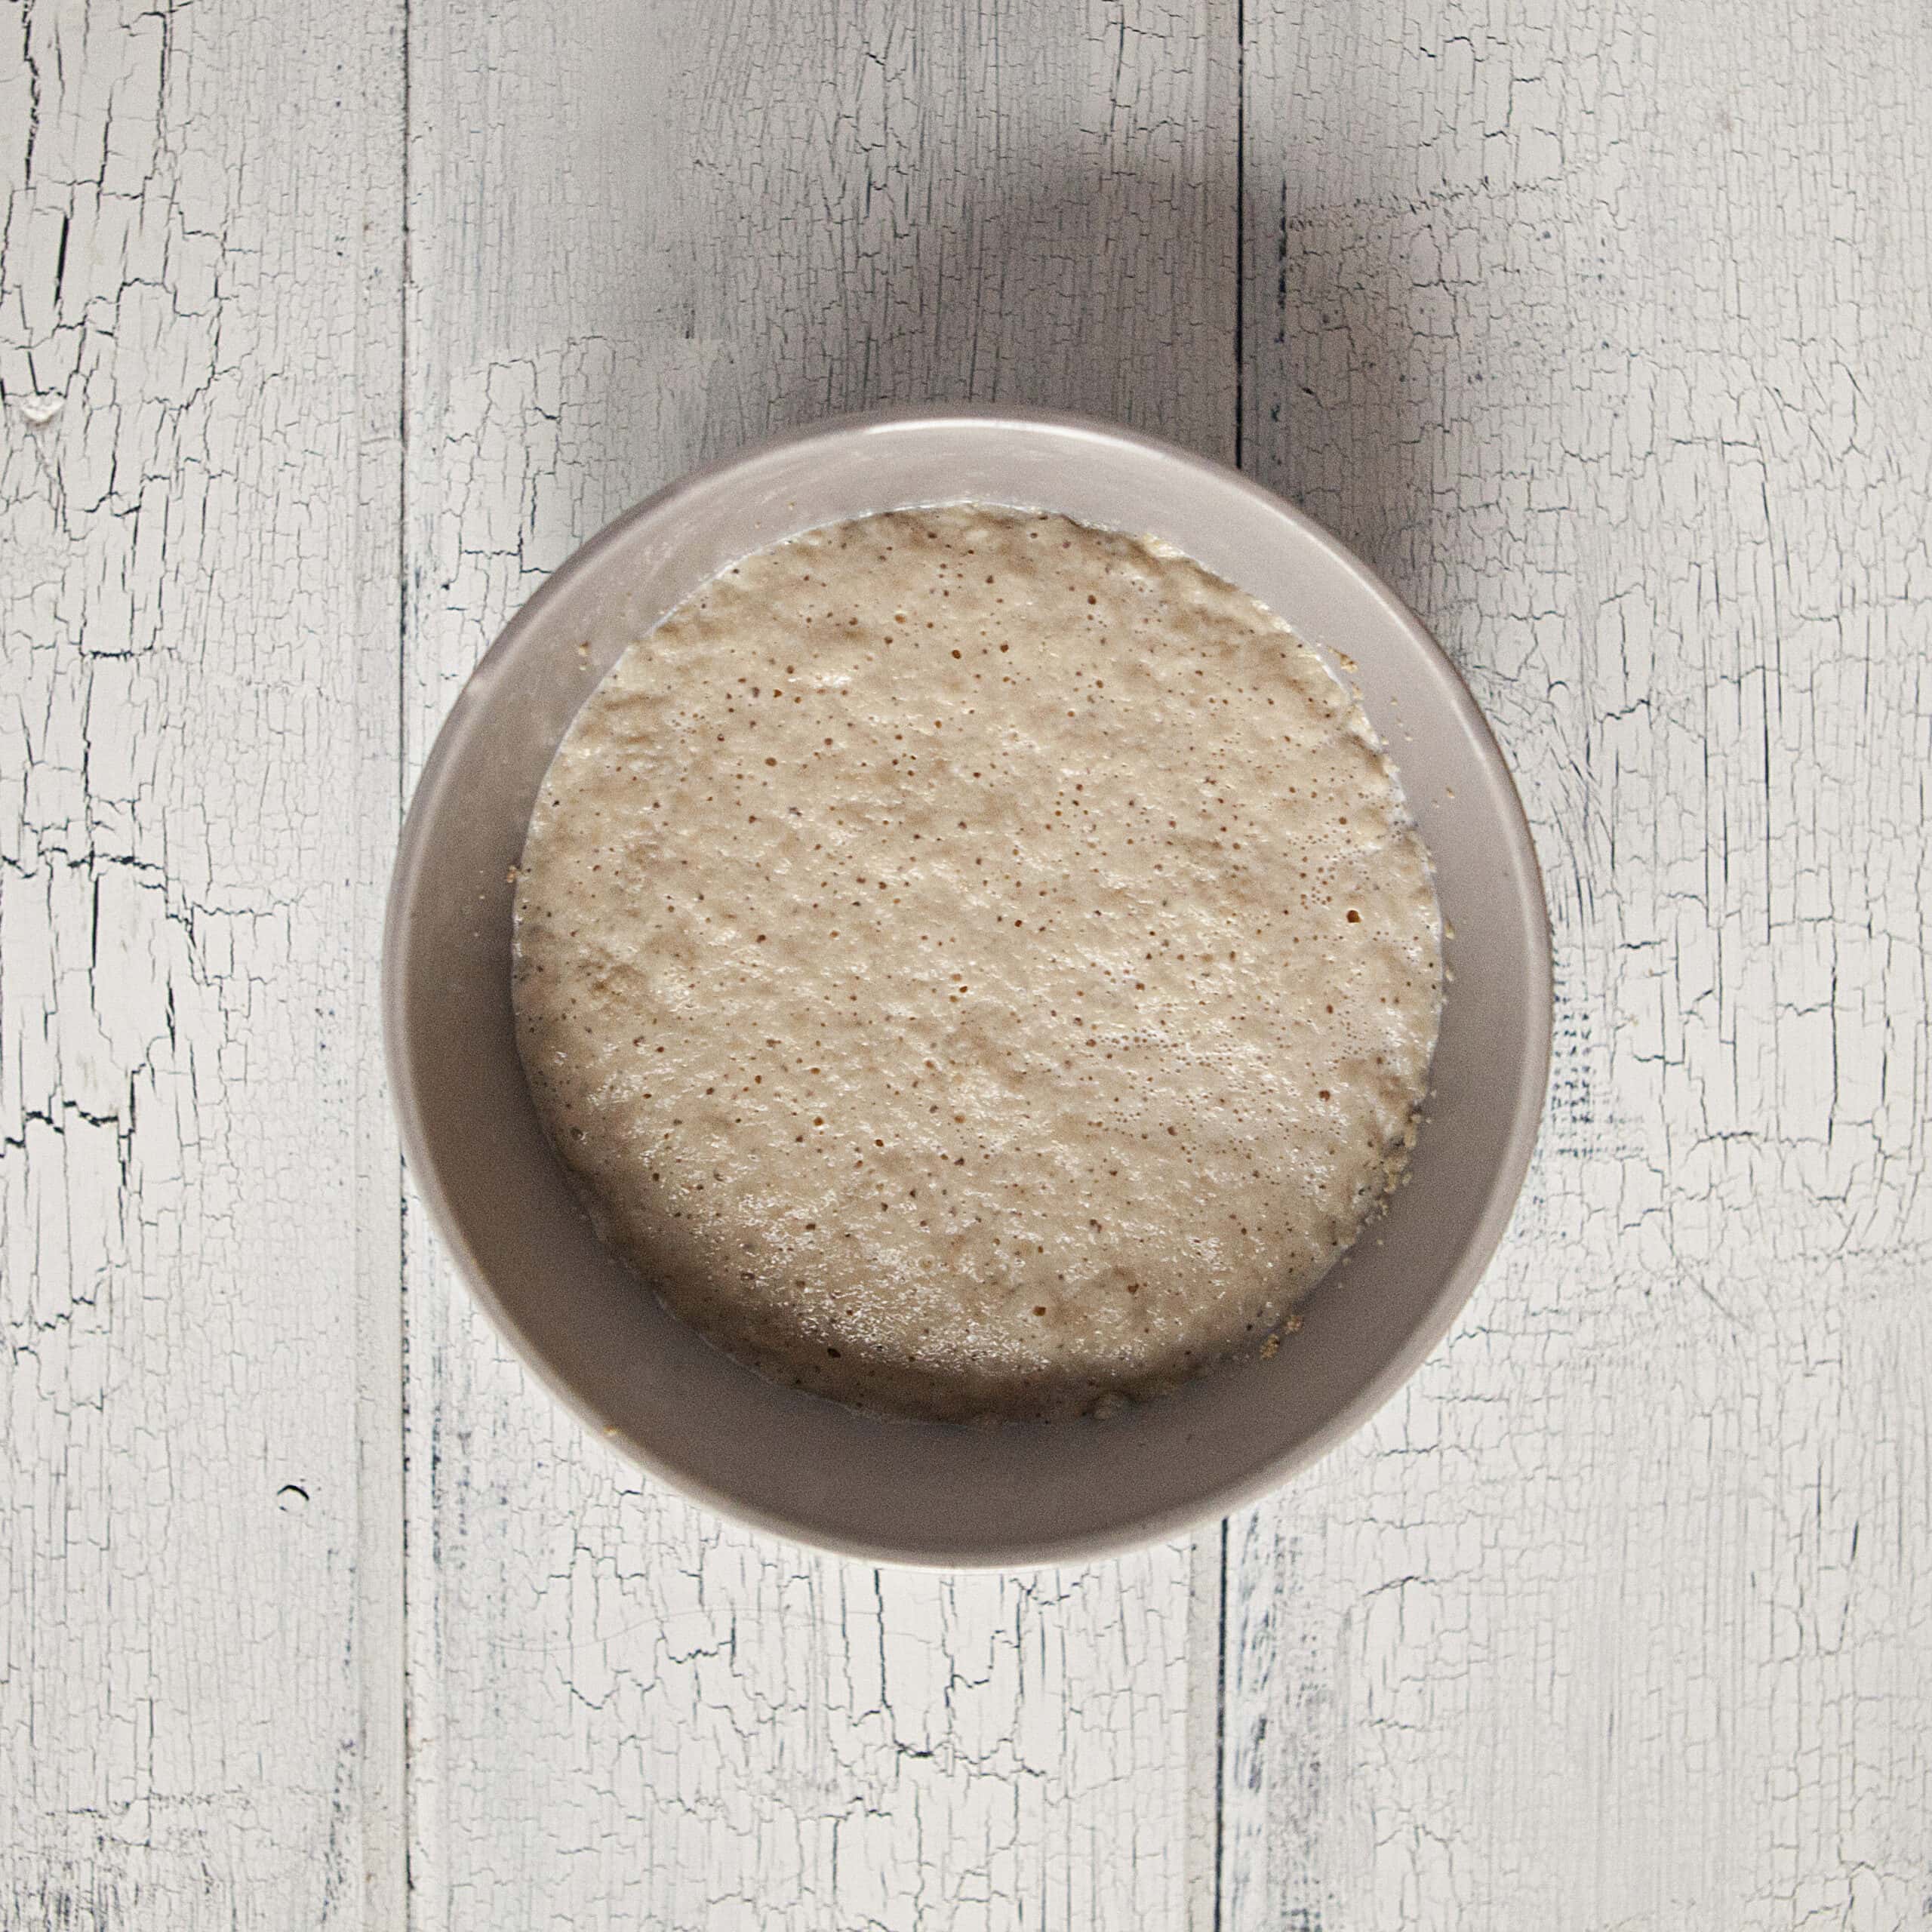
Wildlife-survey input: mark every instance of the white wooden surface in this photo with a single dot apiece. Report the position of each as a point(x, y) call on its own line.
point(201, 1684)
point(1603, 329)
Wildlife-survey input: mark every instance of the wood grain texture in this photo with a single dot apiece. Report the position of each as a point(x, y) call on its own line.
point(1603, 331)
point(200, 1659)
point(640, 235)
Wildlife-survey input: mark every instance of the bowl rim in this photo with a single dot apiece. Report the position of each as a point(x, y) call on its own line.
point(1458, 1284)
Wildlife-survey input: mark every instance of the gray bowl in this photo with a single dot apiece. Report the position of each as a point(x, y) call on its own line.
point(794, 1464)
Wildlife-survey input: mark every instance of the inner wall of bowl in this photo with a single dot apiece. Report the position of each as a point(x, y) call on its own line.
point(799, 1465)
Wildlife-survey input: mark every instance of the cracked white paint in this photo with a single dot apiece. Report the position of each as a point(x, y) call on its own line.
point(1601, 329)
point(199, 1658)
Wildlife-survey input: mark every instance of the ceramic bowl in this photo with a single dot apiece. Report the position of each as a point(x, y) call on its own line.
point(796, 1465)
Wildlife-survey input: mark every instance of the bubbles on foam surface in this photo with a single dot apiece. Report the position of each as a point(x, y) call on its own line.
point(888, 982)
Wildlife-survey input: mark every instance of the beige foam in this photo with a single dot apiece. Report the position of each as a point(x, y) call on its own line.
point(978, 966)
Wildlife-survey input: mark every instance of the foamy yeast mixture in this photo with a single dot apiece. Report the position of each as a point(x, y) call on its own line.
point(978, 965)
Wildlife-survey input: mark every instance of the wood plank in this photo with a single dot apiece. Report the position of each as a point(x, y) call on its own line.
point(642, 235)
point(1603, 331)
point(200, 1657)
